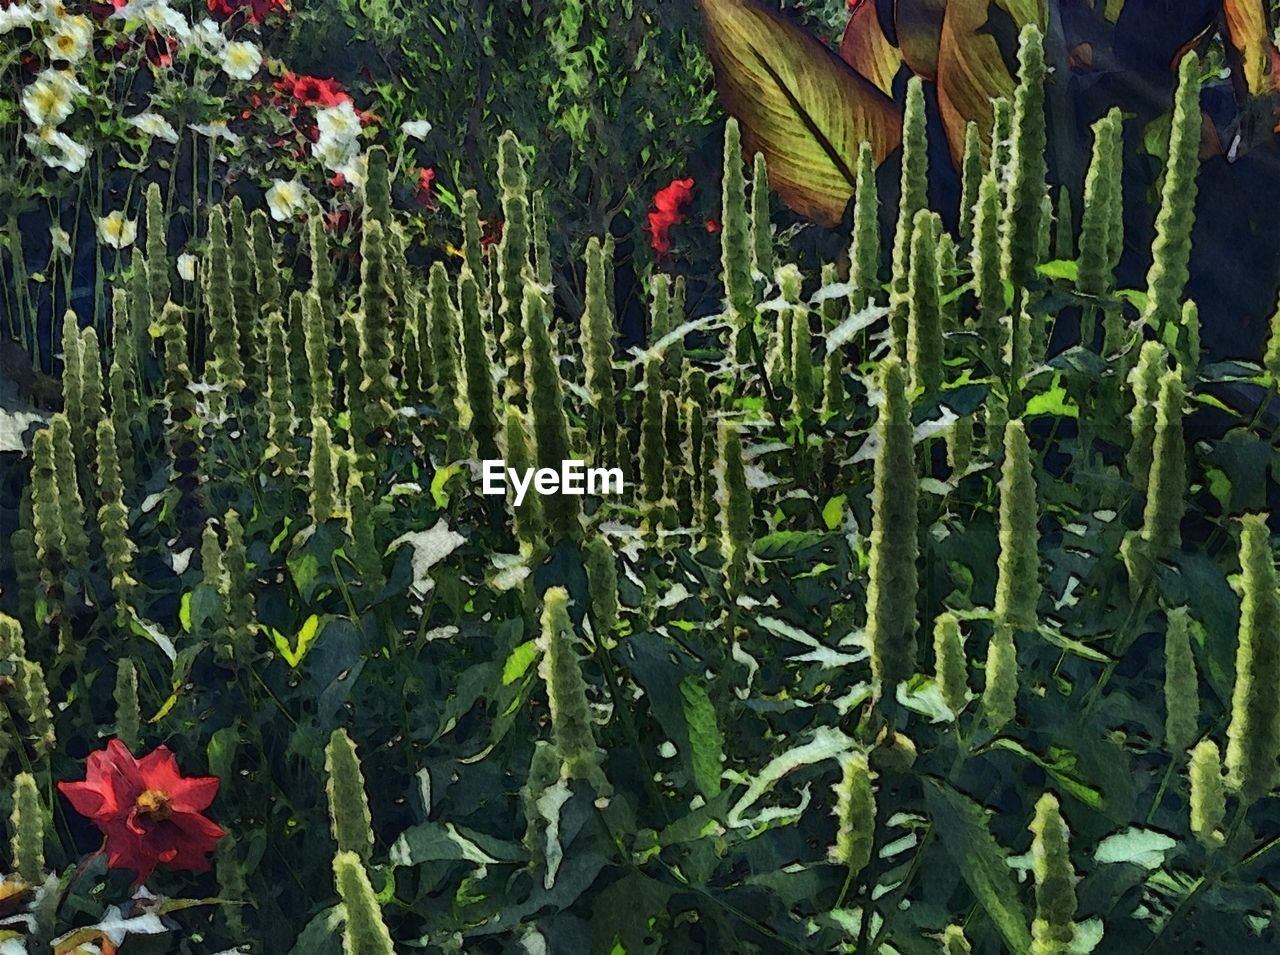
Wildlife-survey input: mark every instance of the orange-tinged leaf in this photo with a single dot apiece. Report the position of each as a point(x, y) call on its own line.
point(972, 70)
point(864, 47)
point(918, 24)
point(799, 104)
point(1250, 34)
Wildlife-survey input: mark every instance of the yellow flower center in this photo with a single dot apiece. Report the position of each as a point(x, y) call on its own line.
point(154, 803)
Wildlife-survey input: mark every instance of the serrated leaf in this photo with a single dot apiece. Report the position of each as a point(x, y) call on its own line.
point(961, 825)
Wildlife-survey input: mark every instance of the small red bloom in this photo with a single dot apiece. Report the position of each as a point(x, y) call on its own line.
point(147, 810)
point(667, 204)
point(255, 11)
point(712, 226)
point(426, 188)
point(338, 221)
point(313, 90)
point(491, 233)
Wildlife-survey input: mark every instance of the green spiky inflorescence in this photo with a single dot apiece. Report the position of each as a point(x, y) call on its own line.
point(1253, 736)
point(734, 505)
point(761, 224)
point(541, 252)
point(72, 370)
point(971, 171)
point(1018, 580)
point(244, 293)
point(125, 697)
point(864, 253)
point(679, 484)
point(513, 259)
point(1181, 693)
point(377, 188)
point(913, 198)
point(550, 426)
point(361, 422)
point(141, 312)
point(1023, 209)
point(652, 439)
point(735, 244)
point(92, 403)
point(220, 309)
point(319, 342)
point(1188, 344)
point(472, 246)
point(1064, 237)
point(320, 472)
point(891, 576)
point(528, 515)
point(1000, 693)
point(27, 826)
point(947, 281)
point(855, 813)
point(597, 352)
point(363, 930)
point(239, 587)
point(1171, 250)
point(476, 362)
point(960, 445)
point(70, 503)
point(924, 308)
point(50, 540)
point(708, 504)
point(602, 579)
point(1001, 140)
point(322, 271)
point(985, 261)
point(279, 397)
point(950, 667)
point(113, 518)
point(376, 304)
point(350, 822)
point(1144, 383)
point(1054, 925)
point(265, 264)
point(1208, 804)
point(697, 402)
point(157, 265)
point(443, 336)
point(561, 673)
point(1167, 484)
point(1101, 183)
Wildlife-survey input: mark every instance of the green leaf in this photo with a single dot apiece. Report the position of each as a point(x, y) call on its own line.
point(1060, 765)
point(799, 104)
point(438, 482)
point(833, 511)
point(706, 743)
point(961, 825)
point(1067, 269)
point(295, 651)
point(782, 544)
point(519, 662)
point(1054, 402)
point(1143, 847)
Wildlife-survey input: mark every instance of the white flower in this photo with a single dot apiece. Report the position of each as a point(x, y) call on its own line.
point(153, 124)
point(241, 60)
point(284, 199)
point(216, 130)
point(334, 154)
point(61, 240)
point(416, 129)
point(51, 97)
point(338, 122)
point(17, 17)
point(72, 40)
point(356, 171)
point(165, 20)
point(117, 231)
point(206, 36)
point(187, 267)
point(57, 149)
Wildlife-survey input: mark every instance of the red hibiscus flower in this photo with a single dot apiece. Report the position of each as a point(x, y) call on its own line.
point(426, 188)
point(313, 90)
point(147, 810)
point(667, 204)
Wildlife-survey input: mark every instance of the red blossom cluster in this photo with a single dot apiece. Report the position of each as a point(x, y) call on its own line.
point(254, 11)
point(312, 90)
point(148, 811)
point(668, 204)
point(425, 193)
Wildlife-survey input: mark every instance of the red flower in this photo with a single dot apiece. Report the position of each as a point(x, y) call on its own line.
point(490, 234)
point(313, 90)
point(667, 203)
point(426, 188)
point(712, 226)
point(147, 810)
point(255, 11)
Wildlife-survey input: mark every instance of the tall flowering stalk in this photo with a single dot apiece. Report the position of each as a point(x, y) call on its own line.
point(1018, 573)
point(892, 583)
point(1023, 210)
point(761, 224)
point(864, 253)
point(924, 308)
point(597, 351)
point(1054, 927)
point(476, 362)
point(349, 818)
point(546, 404)
point(561, 672)
point(735, 245)
point(513, 260)
point(913, 198)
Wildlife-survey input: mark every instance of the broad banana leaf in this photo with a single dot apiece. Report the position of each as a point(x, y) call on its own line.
point(799, 104)
point(1249, 28)
point(918, 24)
point(972, 68)
point(864, 47)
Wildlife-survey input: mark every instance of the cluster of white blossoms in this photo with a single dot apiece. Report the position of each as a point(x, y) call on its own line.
point(67, 39)
point(337, 147)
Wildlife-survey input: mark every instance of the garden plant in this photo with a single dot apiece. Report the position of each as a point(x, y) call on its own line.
point(937, 611)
